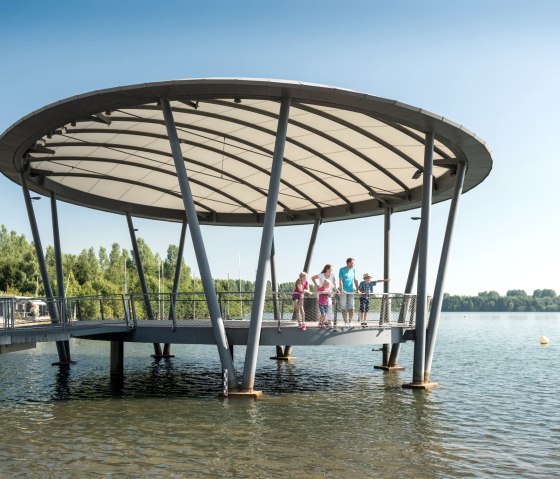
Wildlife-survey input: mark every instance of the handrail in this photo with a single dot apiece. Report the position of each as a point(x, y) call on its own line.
point(385, 309)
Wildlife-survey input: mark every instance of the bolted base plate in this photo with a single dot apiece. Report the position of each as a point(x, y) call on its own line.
point(250, 394)
point(63, 363)
point(425, 385)
point(390, 368)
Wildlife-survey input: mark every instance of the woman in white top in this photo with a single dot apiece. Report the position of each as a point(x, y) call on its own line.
point(318, 281)
point(327, 273)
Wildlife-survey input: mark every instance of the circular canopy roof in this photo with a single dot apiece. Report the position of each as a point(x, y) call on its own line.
point(347, 154)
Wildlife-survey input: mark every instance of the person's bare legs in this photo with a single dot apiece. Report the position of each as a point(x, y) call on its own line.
point(350, 317)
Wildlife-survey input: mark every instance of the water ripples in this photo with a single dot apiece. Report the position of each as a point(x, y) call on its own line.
point(328, 414)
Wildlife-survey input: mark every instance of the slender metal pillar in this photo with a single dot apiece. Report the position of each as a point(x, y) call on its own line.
point(386, 274)
point(311, 247)
point(176, 279)
point(175, 289)
point(199, 249)
point(394, 358)
point(53, 310)
point(274, 282)
point(266, 248)
point(435, 312)
point(117, 358)
point(141, 277)
point(59, 270)
point(421, 309)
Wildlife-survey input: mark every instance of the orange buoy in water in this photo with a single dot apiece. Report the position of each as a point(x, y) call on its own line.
point(544, 340)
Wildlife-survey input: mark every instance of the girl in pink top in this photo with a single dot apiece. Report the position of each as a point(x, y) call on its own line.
point(301, 287)
point(325, 292)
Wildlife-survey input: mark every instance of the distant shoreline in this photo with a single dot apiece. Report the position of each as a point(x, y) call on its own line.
point(515, 301)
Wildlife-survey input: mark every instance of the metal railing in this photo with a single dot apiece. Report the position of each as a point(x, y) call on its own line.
point(385, 310)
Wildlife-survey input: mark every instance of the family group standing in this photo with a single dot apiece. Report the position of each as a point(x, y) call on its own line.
point(326, 284)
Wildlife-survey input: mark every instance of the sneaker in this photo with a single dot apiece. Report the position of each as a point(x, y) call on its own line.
point(364, 325)
point(304, 327)
point(300, 325)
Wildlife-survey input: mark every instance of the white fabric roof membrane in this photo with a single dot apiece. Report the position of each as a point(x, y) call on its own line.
point(347, 154)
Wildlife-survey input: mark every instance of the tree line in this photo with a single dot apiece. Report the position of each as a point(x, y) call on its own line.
point(515, 300)
point(113, 271)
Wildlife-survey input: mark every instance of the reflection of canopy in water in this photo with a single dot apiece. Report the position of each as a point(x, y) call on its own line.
point(347, 154)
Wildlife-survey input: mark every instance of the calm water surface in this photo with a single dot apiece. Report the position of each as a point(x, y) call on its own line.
point(328, 414)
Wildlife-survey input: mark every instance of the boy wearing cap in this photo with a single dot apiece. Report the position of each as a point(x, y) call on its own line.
point(365, 289)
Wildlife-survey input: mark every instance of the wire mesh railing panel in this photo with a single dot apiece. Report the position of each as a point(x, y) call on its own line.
point(7, 314)
point(385, 310)
point(95, 308)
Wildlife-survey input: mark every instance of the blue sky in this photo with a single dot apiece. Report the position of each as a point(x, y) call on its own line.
point(491, 66)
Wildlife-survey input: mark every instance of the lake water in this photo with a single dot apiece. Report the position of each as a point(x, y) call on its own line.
point(328, 414)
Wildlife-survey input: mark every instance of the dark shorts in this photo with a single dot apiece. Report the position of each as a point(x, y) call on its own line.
point(364, 304)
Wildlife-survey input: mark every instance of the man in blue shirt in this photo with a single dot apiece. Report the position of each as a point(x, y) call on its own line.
point(349, 284)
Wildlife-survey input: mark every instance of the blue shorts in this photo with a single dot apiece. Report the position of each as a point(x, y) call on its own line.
point(347, 301)
point(364, 304)
point(323, 308)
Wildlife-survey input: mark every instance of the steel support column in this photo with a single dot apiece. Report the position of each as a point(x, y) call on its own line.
point(274, 281)
point(117, 358)
point(59, 271)
point(176, 279)
point(141, 277)
point(394, 358)
point(53, 310)
point(437, 300)
point(422, 298)
point(199, 249)
point(266, 248)
point(311, 246)
point(386, 302)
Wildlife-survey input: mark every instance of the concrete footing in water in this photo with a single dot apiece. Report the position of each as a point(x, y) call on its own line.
point(63, 363)
point(250, 394)
point(283, 358)
point(424, 385)
point(390, 368)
